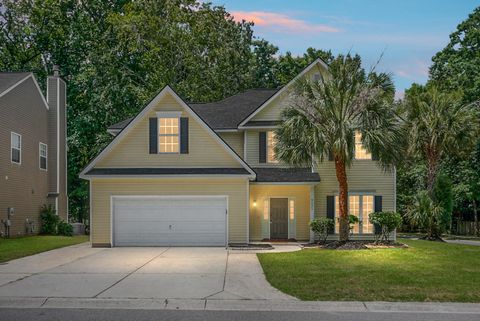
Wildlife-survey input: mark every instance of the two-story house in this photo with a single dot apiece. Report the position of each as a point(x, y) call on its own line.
point(206, 175)
point(33, 153)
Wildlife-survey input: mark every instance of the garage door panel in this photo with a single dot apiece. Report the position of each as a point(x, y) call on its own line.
point(169, 221)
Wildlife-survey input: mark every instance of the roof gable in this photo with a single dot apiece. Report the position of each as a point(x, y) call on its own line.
point(129, 149)
point(270, 110)
point(10, 80)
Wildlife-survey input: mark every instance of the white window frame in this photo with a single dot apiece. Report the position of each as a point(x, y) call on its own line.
point(40, 156)
point(19, 149)
point(360, 211)
point(363, 147)
point(168, 115)
point(270, 140)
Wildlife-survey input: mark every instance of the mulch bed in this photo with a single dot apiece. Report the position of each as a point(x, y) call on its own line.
point(356, 245)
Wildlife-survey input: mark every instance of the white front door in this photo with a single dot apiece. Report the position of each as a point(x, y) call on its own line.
point(169, 220)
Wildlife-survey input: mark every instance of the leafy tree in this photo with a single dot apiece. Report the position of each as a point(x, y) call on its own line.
point(443, 196)
point(457, 66)
point(437, 125)
point(322, 117)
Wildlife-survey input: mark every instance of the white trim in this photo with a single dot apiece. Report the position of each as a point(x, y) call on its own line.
point(226, 130)
point(144, 112)
point(312, 211)
point(168, 114)
point(258, 127)
point(112, 197)
point(285, 183)
point(40, 144)
point(40, 92)
point(90, 182)
point(245, 145)
point(113, 132)
point(248, 212)
point(278, 93)
point(179, 176)
point(11, 148)
point(58, 140)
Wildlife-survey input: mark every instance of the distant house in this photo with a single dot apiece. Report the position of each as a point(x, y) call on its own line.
point(207, 175)
point(33, 152)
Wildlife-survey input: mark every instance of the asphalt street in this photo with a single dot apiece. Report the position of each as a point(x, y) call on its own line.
point(44, 314)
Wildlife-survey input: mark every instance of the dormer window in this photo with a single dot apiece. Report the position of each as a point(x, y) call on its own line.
point(168, 135)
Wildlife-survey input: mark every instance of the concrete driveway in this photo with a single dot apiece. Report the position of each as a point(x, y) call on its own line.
point(138, 273)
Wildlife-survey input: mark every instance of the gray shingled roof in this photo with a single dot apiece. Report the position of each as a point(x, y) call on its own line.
point(168, 171)
point(261, 123)
point(224, 114)
point(284, 175)
point(8, 79)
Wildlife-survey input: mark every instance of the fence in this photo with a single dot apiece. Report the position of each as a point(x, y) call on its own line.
point(465, 228)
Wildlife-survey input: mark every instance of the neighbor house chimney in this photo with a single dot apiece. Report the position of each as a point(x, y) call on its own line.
point(57, 136)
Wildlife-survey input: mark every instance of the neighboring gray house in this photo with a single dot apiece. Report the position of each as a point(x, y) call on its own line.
point(33, 151)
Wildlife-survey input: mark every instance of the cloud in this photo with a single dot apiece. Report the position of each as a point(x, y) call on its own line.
point(281, 23)
point(414, 70)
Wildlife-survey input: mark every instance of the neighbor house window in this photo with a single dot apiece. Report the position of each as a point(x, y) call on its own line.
point(168, 135)
point(16, 147)
point(43, 155)
point(271, 147)
point(360, 151)
point(361, 206)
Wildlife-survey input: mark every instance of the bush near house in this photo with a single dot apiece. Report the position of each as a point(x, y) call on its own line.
point(388, 222)
point(322, 227)
point(52, 224)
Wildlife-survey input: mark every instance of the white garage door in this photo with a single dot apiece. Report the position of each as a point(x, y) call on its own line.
point(169, 221)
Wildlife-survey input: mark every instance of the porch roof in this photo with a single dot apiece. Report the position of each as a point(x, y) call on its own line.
point(285, 175)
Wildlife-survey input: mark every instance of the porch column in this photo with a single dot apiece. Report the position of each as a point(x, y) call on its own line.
point(312, 210)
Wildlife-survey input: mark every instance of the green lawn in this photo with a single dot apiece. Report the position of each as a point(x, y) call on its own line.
point(15, 248)
point(427, 271)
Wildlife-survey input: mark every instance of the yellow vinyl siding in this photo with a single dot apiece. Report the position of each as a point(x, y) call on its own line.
point(234, 140)
point(301, 195)
point(103, 189)
point(274, 109)
point(253, 152)
point(364, 176)
point(133, 150)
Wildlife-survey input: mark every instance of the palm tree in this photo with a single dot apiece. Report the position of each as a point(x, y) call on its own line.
point(322, 117)
point(437, 123)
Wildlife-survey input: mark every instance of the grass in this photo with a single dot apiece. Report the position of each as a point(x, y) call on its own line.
point(15, 248)
point(426, 271)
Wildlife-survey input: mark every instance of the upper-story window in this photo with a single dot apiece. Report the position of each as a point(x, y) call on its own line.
point(16, 147)
point(360, 151)
point(271, 141)
point(168, 135)
point(42, 152)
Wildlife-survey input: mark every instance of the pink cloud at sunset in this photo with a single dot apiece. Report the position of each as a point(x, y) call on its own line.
point(281, 23)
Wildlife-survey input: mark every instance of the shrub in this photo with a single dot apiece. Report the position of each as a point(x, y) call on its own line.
point(322, 226)
point(64, 228)
point(387, 221)
point(49, 220)
point(427, 215)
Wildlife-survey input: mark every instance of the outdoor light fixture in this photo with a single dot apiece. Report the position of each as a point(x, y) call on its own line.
point(254, 203)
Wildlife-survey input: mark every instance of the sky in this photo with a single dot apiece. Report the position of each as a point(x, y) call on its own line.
point(407, 32)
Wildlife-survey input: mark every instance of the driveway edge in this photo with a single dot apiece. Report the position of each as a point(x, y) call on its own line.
point(242, 305)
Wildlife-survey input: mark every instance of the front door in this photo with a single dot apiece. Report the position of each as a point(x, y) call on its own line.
point(279, 218)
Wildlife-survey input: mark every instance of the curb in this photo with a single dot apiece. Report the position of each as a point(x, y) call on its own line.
point(242, 305)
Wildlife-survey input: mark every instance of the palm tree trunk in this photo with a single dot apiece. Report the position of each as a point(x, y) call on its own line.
point(341, 172)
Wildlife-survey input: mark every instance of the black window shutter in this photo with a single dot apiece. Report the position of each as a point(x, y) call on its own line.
point(330, 156)
point(331, 210)
point(184, 135)
point(153, 136)
point(262, 147)
point(377, 208)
